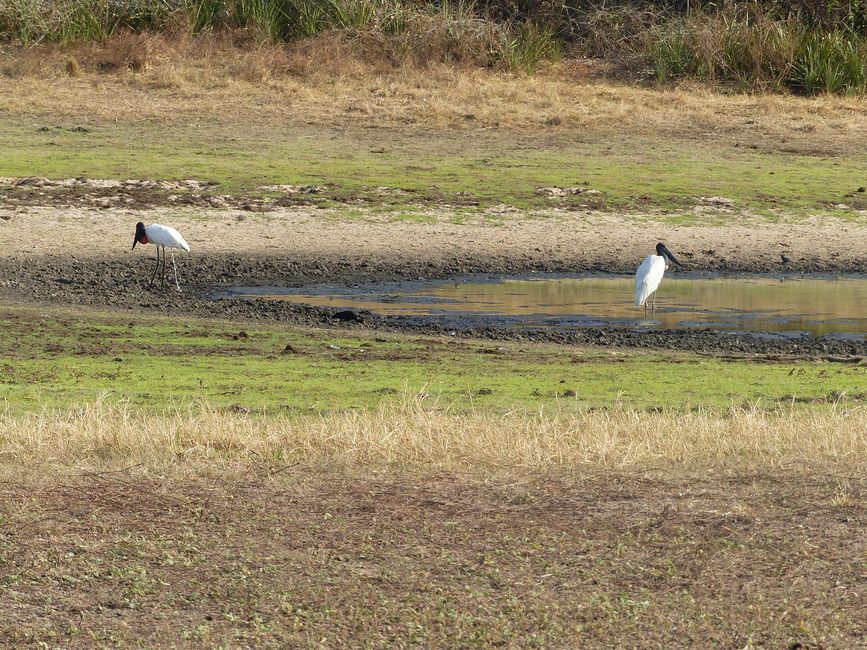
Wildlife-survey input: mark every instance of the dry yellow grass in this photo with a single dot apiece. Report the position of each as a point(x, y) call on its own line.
point(409, 436)
point(321, 81)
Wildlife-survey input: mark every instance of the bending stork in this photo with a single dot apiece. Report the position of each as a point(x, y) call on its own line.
point(162, 237)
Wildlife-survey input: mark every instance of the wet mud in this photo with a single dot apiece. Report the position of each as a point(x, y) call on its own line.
point(118, 283)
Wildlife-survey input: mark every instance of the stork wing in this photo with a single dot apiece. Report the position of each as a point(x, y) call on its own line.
point(647, 277)
point(161, 235)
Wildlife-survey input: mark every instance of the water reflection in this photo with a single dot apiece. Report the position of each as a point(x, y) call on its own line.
point(759, 303)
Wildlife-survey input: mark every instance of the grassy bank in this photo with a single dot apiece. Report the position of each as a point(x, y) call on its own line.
point(165, 514)
point(779, 46)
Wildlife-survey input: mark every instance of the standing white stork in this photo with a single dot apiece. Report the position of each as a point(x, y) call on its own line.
point(162, 237)
point(649, 275)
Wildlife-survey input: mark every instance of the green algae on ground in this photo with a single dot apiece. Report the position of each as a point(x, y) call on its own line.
point(56, 358)
point(427, 167)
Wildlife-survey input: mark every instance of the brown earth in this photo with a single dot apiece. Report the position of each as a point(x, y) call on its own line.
point(296, 560)
point(306, 242)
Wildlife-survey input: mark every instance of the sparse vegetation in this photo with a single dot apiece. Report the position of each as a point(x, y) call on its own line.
point(275, 556)
point(663, 169)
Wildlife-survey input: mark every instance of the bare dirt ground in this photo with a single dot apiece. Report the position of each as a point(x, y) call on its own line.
point(321, 244)
point(335, 561)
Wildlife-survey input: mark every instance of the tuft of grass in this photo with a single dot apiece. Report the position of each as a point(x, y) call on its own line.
point(756, 51)
point(671, 55)
point(352, 15)
point(307, 17)
point(265, 17)
point(85, 21)
point(72, 68)
point(24, 21)
point(526, 47)
point(830, 62)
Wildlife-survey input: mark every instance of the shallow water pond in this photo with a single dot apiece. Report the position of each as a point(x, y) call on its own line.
point(790, 304)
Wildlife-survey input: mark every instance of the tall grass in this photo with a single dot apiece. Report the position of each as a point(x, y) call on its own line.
point(807, 46)
point(753, 50)
point(422, 32)
point(411, 435)
point(830, 62)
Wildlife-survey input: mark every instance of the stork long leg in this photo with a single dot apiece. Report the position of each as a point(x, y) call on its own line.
point(153, 277)
point(653, 311)
point(177, 283)
point(163, 275)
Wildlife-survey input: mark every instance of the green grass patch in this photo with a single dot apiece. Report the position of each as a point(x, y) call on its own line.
point(56, 358)
point(434, 168)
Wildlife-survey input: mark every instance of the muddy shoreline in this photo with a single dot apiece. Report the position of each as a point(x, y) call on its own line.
point(121, 284)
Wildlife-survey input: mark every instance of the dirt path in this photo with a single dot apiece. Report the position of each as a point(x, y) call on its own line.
point(304, 560)
point(319, 243)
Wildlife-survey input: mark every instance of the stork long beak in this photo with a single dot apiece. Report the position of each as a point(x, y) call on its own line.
point(140, 236)
point(670, 256)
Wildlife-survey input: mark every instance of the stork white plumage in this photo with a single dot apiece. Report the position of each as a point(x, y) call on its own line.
point(162, 237)
point(649, 275)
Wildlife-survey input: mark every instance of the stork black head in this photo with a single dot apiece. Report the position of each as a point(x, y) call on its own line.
point(662, 251)
point(140, 235)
